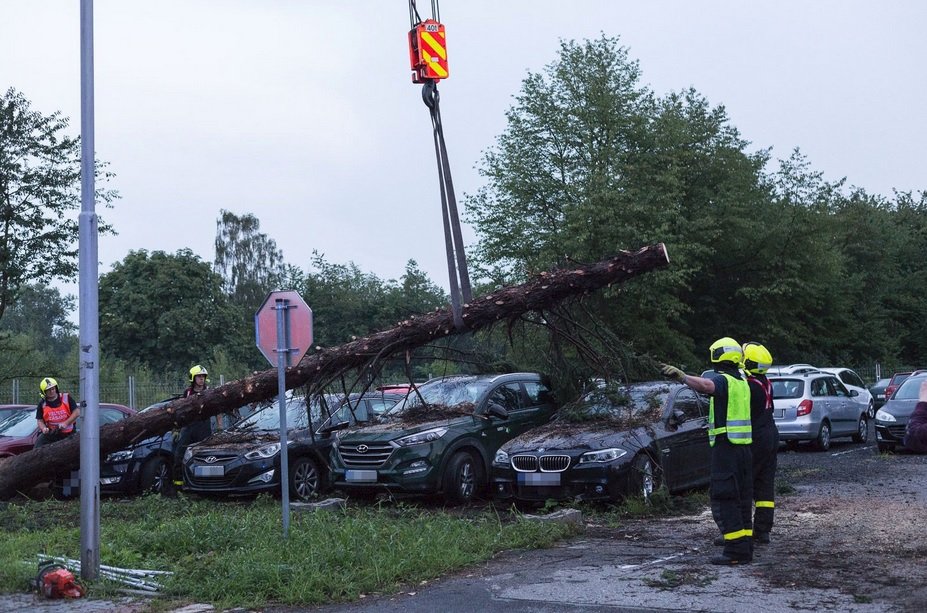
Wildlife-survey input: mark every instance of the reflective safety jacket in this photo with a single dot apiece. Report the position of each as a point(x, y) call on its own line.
point(737, 426)
point(54, 416)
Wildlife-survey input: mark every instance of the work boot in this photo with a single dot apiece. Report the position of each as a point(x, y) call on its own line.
point(726, 560)
point(718, 542)
point(761, 538)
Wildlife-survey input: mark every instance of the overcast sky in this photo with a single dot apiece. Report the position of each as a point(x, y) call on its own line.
point(303, 112)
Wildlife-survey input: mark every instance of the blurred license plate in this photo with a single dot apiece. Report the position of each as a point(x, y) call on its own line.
point(779, 414)
point(209, 471)
point(539, 478)
point(360, 476)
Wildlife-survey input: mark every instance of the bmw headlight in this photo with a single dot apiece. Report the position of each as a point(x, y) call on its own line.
point(502, 458)
point(119, 456)
point(418, 438)
point(884, 416)
point(602, 455)
point(262, 453)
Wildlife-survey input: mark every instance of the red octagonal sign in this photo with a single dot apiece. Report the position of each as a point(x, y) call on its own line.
point(297, 326)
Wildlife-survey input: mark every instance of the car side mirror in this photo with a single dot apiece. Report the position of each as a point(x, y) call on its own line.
point(497, 410)
point(676, 418)
point(854, 392)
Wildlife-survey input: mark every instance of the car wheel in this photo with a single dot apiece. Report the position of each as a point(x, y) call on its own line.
point(156, 476)
point(305, 479)
point(645, 479)
point(870, 412)
point(462, 479)
point(823, 440)
point(862, 430)
point(886, 448)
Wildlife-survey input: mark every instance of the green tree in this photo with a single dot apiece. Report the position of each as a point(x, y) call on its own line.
point(39, 189)
point(247, 259)
point(41, 313)
point(166, 311)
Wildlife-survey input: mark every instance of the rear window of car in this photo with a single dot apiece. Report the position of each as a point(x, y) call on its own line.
point(910, 389)
point(788, 388)
point(898, 378)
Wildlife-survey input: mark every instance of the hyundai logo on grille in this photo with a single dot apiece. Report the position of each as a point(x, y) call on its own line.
point(362, 448)
point(211, 459)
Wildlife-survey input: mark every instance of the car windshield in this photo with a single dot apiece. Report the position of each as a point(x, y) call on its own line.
point(268, 417)
point(910, 389)
point(378, 403)
point(18, 423)
point(788, 388)
point(448, 393)
point(624, 402)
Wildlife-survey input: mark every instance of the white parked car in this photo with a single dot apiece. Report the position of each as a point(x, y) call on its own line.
point(854, 382)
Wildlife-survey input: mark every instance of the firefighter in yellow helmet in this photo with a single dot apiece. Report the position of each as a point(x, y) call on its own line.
point(765, 447)
point(55, 414)
point(193, 432)
point(730, 436)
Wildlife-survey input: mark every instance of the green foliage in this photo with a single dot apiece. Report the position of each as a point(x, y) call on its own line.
point(235, 555)
point(248, 260)
point(166, 311)
point(41, 314)
point(39, 189)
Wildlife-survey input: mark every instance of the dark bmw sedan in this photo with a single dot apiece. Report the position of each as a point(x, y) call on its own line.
point(245, 459)
point(892, 419)
point(613, 443)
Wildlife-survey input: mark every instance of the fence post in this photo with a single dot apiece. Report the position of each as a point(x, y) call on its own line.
point(15, 391)
point(132, 404)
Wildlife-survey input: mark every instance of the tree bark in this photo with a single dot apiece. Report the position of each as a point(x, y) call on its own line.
point(20, 472)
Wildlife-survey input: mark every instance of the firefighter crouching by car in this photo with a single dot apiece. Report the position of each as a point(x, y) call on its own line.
point(55, 414)
point(765, 447)
point(729, 435)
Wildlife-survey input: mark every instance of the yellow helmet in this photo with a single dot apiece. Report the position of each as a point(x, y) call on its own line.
point(726, 350)
point(198, 370)
point(757, 358)
point(46, 383)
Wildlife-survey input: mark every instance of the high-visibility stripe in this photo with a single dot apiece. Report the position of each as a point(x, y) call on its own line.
point(765, 504)
point(738, 422)
point(436, 46)
point(730, 536)
point(740, 436)
point(437, 68)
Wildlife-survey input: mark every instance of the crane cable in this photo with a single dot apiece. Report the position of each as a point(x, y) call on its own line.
point(458, 275)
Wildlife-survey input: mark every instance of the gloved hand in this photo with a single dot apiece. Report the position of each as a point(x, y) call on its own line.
point(673, 373)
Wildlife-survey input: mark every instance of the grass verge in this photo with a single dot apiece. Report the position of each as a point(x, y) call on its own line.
point(234, 554)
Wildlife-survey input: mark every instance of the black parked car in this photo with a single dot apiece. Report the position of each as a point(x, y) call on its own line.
point(613, 442)
point(143, 467)
point(892, 419)
point(245, 459)
point(878, 392)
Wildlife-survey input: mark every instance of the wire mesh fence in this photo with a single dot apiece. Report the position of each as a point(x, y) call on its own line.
point(131, 393)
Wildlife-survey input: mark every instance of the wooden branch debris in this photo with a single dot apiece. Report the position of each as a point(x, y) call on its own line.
point(20, 472)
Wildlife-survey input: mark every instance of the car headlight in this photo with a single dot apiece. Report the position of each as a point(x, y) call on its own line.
point(884, 416)
point(501, 458)
point(262, 453)
point(602, 455)
point(187, 455)
point(418, 438)
point(119, 456)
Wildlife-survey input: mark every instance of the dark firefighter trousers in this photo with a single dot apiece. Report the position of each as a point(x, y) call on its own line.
point(732, 496)
point(765, 450)
point(189, 434)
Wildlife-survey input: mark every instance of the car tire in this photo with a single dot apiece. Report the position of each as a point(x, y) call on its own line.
point(305, 479)
point(870, 411)
point(155, 476)
point(645, 476)
point(862, 430)
point(822, 442)
point(462, 479)
point(886, 448)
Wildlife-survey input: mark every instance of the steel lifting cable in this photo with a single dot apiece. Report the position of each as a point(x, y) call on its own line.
point(427, 70)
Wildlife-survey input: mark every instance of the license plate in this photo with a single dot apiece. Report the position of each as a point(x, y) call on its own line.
point(539, 478)
point(361, 476)
point(209, 471)
point(779, 414)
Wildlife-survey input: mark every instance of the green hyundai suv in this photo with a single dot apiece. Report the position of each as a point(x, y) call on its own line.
point(442, 438)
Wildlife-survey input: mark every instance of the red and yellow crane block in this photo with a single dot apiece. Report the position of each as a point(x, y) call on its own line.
point(428, 51)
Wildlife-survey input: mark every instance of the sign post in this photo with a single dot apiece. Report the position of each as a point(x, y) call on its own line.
point(283, 333)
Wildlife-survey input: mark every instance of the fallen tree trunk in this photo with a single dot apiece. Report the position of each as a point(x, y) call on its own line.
point(20, 472)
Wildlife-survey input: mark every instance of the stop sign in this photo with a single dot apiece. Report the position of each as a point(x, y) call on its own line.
point(297, 326)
